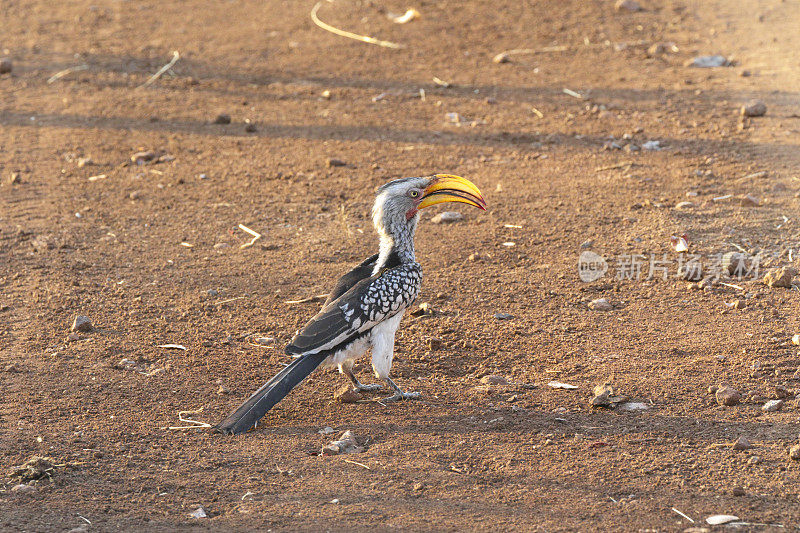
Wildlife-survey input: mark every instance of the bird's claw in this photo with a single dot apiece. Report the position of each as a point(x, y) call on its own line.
point(397, 396)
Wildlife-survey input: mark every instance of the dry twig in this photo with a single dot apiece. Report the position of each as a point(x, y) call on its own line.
point(317, 298)
point(60, 74)
point(175, 57)
point(349, 35)
point(196, 424)
point(255, 235)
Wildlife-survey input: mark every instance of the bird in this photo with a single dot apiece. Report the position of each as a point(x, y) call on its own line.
point(364, 309)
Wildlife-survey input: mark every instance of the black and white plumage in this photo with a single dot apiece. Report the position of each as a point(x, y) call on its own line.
point(367, 304)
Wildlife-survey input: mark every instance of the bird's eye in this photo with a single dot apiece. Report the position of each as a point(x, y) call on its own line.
point(413, 193)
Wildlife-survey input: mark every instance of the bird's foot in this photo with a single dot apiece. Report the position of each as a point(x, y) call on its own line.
point(368, 388)
point(398, 393)
point(360, 387)
point(397, 396)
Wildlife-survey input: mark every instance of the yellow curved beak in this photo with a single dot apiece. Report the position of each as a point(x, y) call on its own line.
point(449, 188)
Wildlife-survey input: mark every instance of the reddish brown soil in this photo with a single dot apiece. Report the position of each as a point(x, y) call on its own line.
point(465, 457)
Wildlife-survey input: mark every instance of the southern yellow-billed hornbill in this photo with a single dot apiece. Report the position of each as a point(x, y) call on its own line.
point(365, 308)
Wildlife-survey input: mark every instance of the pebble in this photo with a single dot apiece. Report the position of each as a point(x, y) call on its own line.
point(435, 343)
point(22, 488)
point(82, 323)
point(754, 108)
point(326, 94)
point(684, 205)
point(719, 519)
point(707, 61)
point(140, 158)
point(14, 178)
point(742, 444)
point(85, 161)
point(796, 340)
point(728, 396)
point(738, 491)
point(748, 200)
point(652, 145)
point(6, 65)
point(754, 460)
point(503, 316)
point(494, 380)
point(587, 244)
point(780, 277)
point(600, 304)
point(222, 118)
point(605, 396)
point(264, 341)
point(221, 245)
point(347, 443)
point(198, 513)
point(772, 406)
point(333, 162)
point(223, 390)
point(628, 5)
point(447, 217)
point(346, 394)
point(250, 127)
point(794, 452)
point(135, 195)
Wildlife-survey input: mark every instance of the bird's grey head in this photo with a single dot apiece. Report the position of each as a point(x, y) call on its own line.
point(397, 205)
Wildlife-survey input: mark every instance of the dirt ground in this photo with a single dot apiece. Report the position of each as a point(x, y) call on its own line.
point(468, 456)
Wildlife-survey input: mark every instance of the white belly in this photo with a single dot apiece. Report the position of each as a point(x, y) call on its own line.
point(351, 352)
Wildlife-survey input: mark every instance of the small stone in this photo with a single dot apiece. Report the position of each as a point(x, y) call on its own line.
point(72, 337)
point(346, 394)
point(780, 277)
point(435, 343)
point(587, 244)
point(223, 390)
point(738, 491)
point(748, 200)
point(605, 396)
point(326, 94)
point(772, 406)
point(684, 205)
point(494, 380)
point(264, 341)
point(728, 396)
point(503, 316)
point(347, 443)
point(796, 340)
point(418, 486)
point(741, 303)
point(135, 195)
point(754, 460)
point(332, 162)
point(6, 65)
point(22, 488)
point(600, 304)
point(221, 245)
point(140, 158)
point(628, 5)
point(631, 148)
point(658, 49)
point(222, 118)
point(198, 513)
point(742, 444)
point(713, 389)
point(85, 161)
point(781, 393)
point(82, 323)
point(754, 108)
point(250, 127)
point(127, 364)
point(447, 217)
point(474, 257)
point(14, 178)
point(707, 61)
point(794, 452)
point(745, 73)
point(652, 146)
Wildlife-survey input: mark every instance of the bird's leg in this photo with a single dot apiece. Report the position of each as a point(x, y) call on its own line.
point(357, 384)
point(398, 393)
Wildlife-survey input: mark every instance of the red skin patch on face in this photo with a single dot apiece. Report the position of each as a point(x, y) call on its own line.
point(411, 212)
